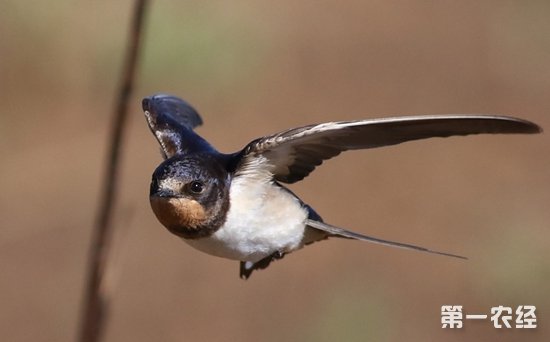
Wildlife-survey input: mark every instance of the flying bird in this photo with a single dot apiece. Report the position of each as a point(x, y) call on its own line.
point(234, 205)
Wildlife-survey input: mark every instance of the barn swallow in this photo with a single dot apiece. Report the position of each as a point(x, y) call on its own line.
point(234, 205)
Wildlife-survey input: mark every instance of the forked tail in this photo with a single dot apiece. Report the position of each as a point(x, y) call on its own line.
point(336, 231)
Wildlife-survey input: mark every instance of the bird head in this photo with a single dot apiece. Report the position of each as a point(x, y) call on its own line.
point(190, 195)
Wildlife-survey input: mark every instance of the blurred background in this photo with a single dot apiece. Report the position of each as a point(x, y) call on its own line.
point(253, 68)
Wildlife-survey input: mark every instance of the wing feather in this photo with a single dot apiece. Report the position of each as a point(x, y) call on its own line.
point(293, 154)
point(172, 120)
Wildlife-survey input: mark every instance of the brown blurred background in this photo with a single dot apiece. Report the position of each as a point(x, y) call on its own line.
point(253, 68)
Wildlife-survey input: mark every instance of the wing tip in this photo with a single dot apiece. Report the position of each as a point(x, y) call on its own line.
point(526, 126)
point(158, 107)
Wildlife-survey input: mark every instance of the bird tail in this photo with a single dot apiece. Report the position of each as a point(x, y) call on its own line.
point(340, 232)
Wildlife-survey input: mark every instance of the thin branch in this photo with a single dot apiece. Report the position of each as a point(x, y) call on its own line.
point(95, 303)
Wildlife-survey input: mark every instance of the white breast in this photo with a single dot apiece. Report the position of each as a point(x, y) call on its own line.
point(262, 219)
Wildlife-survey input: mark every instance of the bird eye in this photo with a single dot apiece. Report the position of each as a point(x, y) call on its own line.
point(196, 187)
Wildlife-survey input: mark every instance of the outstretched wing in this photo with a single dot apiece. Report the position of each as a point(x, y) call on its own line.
point(293, 154)
point(172, 121)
